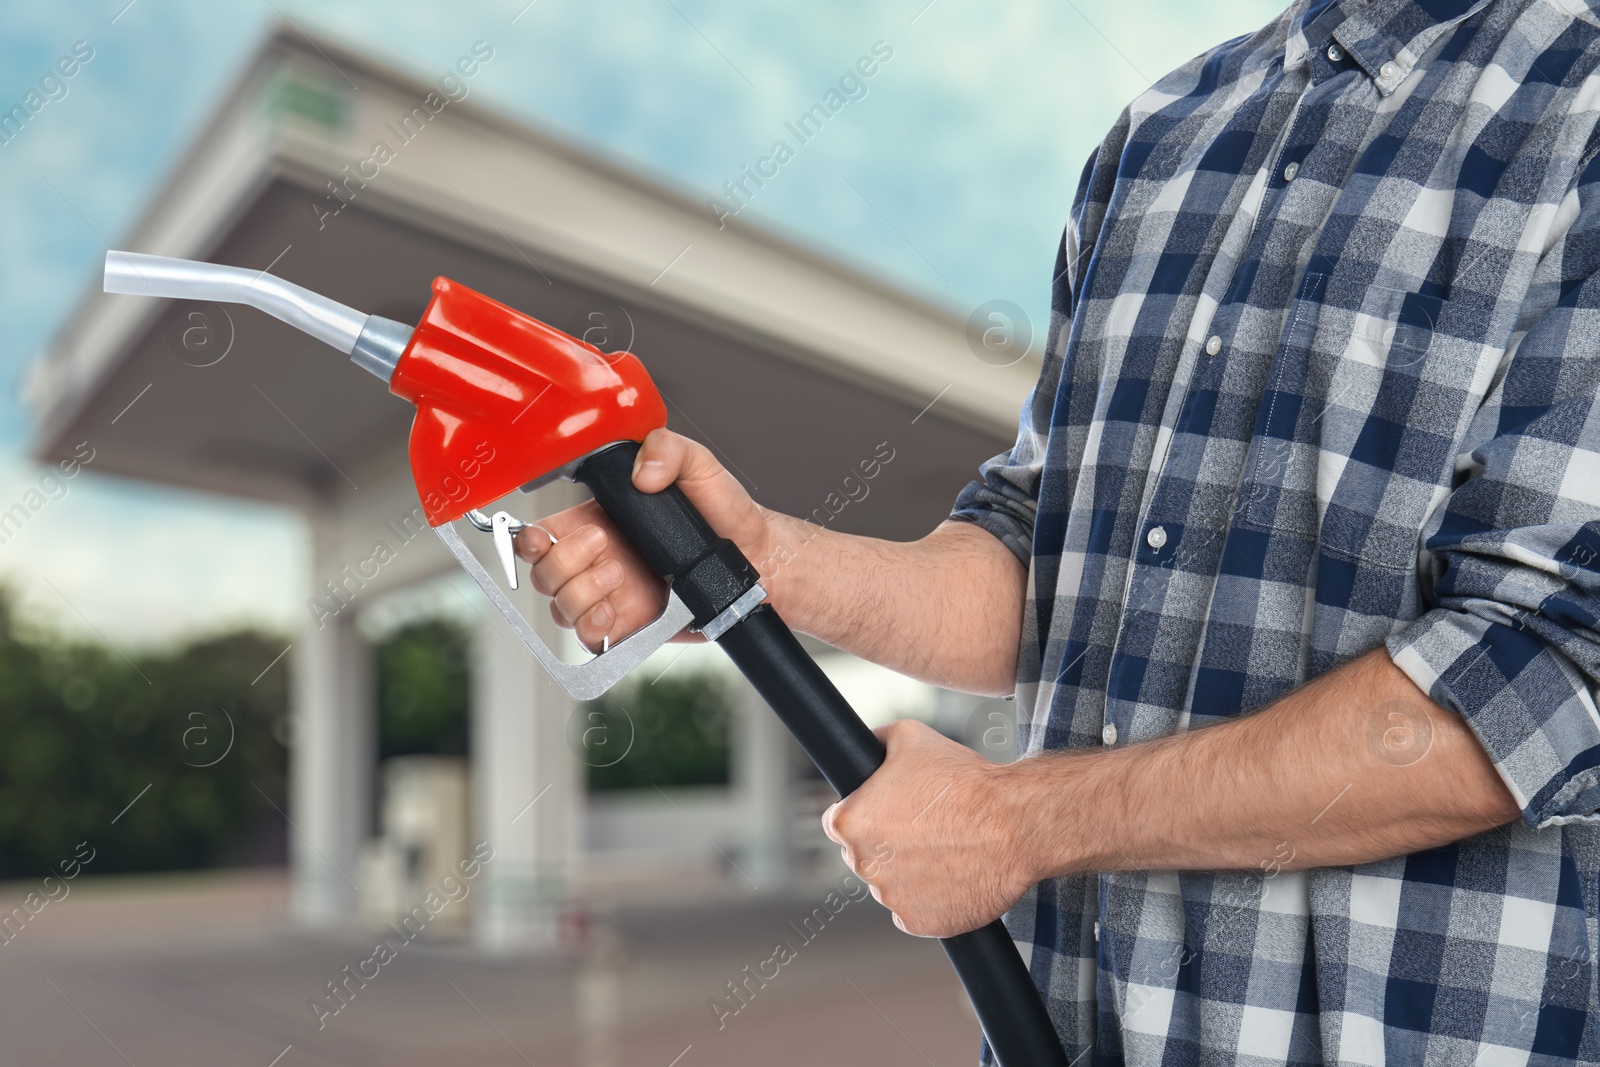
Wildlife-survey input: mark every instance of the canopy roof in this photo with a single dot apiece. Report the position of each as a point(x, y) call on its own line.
point(794, 367)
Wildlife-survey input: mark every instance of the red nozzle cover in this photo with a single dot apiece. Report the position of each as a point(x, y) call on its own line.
point(502, 400)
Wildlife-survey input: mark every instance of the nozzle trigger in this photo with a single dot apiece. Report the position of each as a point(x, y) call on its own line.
point(505, 528)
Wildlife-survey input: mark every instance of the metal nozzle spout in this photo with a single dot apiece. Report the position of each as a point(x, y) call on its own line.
point(375, 343)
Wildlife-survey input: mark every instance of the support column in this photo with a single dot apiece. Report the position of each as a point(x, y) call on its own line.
point(526, 790)
point(330, 768)
point(763, 780)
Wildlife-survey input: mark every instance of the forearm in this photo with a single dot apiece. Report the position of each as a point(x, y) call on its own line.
point(1357, 766)
point(946, 609)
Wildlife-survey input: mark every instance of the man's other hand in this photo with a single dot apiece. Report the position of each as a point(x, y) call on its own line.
point(935, 832)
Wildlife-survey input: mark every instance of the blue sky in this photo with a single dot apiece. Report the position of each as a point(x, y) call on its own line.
point(971, 138)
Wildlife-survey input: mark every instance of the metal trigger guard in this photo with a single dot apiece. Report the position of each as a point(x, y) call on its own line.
point(582, 681)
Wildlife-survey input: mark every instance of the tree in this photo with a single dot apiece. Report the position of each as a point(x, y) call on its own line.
point(162, 762)
point(673, 732)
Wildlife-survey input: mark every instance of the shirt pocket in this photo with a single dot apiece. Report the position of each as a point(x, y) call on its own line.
point(1366, 400)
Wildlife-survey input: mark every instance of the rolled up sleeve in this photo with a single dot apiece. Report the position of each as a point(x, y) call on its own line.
point(1530, 706)
point(1511, 637)
point(997, 502)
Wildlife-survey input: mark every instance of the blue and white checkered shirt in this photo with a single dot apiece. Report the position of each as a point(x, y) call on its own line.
point(1324, 376)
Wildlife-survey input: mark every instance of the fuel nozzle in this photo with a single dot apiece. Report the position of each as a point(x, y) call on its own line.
point(503, 402)
point(372, 342)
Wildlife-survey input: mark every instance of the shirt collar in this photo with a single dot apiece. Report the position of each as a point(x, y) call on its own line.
point(1386, 38)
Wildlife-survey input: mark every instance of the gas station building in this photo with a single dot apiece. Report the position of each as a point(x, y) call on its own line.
point(792, 366)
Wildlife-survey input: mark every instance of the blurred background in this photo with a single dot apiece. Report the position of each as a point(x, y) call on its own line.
point(277, 786)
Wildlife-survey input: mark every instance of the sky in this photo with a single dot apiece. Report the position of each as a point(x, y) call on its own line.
point(972, 137)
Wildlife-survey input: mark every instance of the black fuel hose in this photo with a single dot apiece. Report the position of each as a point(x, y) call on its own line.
point(709, 574)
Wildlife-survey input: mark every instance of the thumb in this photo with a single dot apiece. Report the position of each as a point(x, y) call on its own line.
point(666, 457)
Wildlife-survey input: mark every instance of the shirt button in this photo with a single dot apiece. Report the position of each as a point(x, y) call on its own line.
point(1387, 71)
point(1213, 345)
point(1335, 53)
point(1108, 733)
point(1097, 930)
point(1156, 537)
point(1290, 171)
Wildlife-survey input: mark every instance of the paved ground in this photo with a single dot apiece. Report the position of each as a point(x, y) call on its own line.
point(192, 970)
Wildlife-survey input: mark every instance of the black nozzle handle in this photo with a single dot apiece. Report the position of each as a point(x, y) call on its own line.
point(709, 573)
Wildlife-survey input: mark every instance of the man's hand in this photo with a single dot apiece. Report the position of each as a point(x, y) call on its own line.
point(946, 609)
point(1356, 766)
point(933, 832)
point(599, 585)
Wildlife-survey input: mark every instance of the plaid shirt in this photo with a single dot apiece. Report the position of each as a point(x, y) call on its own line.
point(1323, 374)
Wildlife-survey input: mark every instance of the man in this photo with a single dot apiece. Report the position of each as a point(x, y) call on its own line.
point(1294, 568)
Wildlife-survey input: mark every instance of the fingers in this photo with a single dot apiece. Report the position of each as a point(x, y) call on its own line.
point(540, 538)
point(839, 823)
point(593, 627)
point(599, 586)
point(578, 577)
point(558, 564)
point(830, 823)
point(586, 589)
point(585, 595)
point(536, 537)
point(574, 572)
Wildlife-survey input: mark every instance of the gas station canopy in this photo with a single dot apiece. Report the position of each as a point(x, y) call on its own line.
point(793, 367)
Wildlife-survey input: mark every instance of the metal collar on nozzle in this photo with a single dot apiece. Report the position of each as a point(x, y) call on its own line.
point(371, 341)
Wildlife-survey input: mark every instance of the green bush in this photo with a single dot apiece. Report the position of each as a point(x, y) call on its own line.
point(674, 732)
point(423, 691)
point(86, 731)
